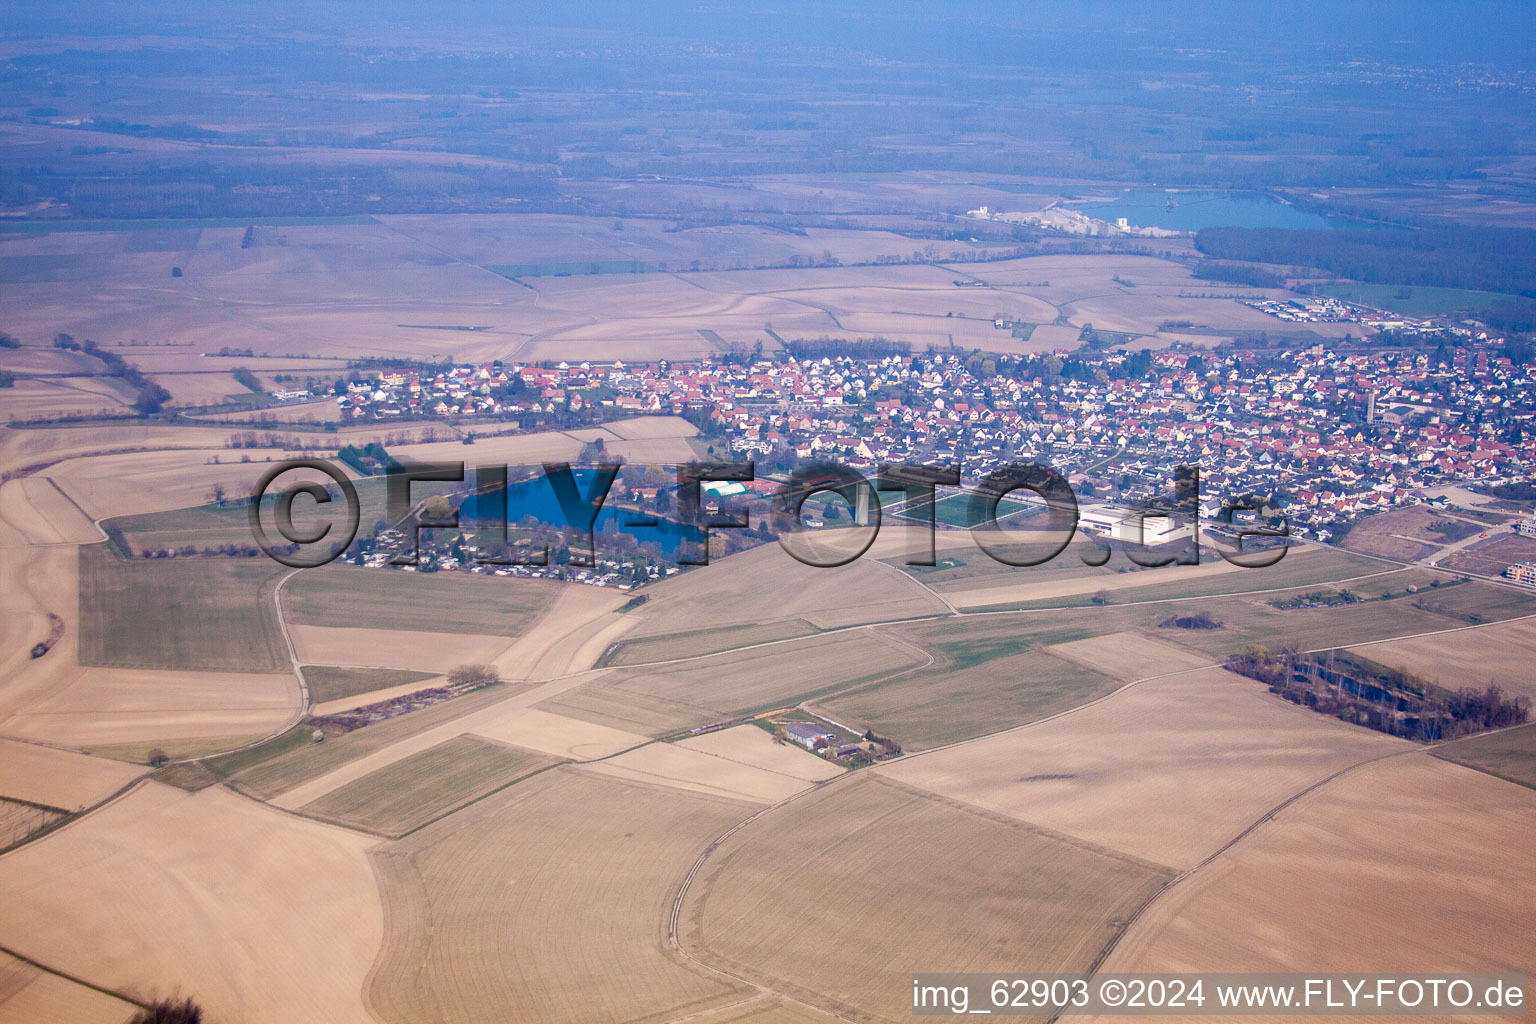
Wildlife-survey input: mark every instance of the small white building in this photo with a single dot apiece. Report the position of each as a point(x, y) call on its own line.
point(1133, 527)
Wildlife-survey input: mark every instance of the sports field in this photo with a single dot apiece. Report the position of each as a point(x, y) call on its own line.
point(954, 510)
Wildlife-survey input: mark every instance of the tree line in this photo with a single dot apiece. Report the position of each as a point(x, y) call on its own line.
point(1480, 258)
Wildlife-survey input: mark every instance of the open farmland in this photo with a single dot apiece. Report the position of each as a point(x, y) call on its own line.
point(508, 720)
point(577, 627)
point(765, 584)
point(698, 771)
point(19, 821)
point(713, 689)
point(1168, 770)
point(1406, 534)
point(155, 481)
point(1509, 753)
point(1253, 619)
point(1301, 566)
point(28, 994)
point(200, 389)
point(211, 526)
point(63, 397)
point(300, 896)
point(1329, 875)
point(291, 759)
point(323, 411)
point(581, 898)
point(749, 745)
point(127, 712)
point(1128, 655)
point(350, 597)
point(958, 558)
point(766, 1010)
point(966, 693)
point(888, 866)
point(398, 649)
point(1502, 653)
point(43, 514)
point(413, 791)
point(59, 778)
point(1492, 556)
point(328, 683)
point(699, 642)
point(207, 613)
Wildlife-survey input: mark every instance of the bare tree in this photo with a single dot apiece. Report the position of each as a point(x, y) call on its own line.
point(473, 675)
point(169, 1011)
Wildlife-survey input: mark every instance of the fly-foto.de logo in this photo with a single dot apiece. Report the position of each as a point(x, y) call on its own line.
point(1145, 534)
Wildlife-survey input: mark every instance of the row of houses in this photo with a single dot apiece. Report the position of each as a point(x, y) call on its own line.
point(1334, 434)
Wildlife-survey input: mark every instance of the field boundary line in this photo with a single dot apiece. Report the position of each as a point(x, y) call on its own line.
point(1432, 632)
point(80, 815)
point(1251, 828)
point(45, 833)
point(295, 668)
point(56, 972)
point(674, 933)
point(993, 610)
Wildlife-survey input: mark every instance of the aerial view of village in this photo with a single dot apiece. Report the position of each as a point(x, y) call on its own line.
point(665, 512)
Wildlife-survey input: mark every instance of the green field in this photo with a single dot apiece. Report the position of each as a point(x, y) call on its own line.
point(210, 614)
point(665, 699)
point(291, 758)
point(1324, 567)
point(977, 693)
point(1419, 300)
point(45, 267)
point(698, 642)
point(413, 791)
point(205, 526)
point(48, 227)
point(328, 683)
point(1510, 754)
point(213, 525)
point(1248, 620)
point(167, 240)
point(344, 595)
point(580, 268)
point(955, 510)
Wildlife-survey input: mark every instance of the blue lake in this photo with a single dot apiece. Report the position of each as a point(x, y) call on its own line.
point(1191, 211)
point(536, 499)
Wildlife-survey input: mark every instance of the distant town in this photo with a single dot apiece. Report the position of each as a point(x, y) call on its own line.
point(1327, 433)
